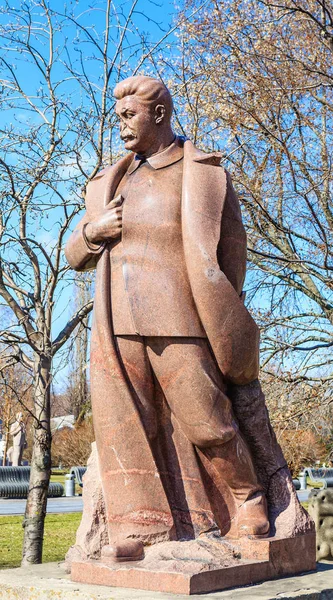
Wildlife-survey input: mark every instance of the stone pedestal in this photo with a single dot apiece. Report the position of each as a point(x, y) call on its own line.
point(203, 565)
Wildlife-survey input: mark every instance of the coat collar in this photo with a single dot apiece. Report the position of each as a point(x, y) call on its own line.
point(213, 158)
point(168, 156)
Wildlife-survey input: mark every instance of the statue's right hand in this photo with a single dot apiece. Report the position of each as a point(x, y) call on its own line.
point(107, 225)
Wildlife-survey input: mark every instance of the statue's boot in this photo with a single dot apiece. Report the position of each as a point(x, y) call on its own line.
point(252, 519)
point(234, 466)
point(123, 551)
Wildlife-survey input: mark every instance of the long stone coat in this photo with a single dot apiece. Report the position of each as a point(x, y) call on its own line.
point(158, 490)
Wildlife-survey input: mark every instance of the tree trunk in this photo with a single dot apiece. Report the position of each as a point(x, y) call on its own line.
point(40, 465)
point(80, 376)
point(80, 392)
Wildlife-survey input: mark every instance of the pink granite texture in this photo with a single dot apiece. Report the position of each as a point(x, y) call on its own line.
point(204, 565)
point(184, 444)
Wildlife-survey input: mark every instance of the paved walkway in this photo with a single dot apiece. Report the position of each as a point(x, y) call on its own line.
point(49, 581)
point(54, 505)
point(69, 505)
point(303, 495)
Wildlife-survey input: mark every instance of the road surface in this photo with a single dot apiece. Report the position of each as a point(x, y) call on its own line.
point(54, 505)
point(68, 505)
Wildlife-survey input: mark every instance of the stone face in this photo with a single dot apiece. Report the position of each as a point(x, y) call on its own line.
point(321, 510)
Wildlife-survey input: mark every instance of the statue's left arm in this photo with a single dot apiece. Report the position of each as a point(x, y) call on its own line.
point(82, 255)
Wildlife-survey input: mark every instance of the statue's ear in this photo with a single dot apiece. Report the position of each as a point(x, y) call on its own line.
point(159, 113)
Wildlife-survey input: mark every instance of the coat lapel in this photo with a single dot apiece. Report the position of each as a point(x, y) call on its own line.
point(101, 189)
point(113, 178)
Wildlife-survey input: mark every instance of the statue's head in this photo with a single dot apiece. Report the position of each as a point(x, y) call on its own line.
point(144, 107)
point(19, 417)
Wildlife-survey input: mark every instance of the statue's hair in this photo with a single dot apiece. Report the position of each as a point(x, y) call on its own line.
point(149, 91)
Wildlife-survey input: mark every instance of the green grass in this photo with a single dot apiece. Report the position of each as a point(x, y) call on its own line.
point(316, 486)
point(59, 535)
point(58, 478)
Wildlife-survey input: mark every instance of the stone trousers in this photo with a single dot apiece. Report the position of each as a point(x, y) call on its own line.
point(193, 387)
point(17, 456)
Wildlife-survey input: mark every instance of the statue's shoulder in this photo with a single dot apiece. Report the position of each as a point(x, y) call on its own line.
point(199, 156)
point(122, 163)
point(105, 179)
point(102, 172)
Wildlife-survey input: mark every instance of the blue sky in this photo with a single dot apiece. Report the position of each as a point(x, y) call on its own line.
point(72, 46)
point(75, 54)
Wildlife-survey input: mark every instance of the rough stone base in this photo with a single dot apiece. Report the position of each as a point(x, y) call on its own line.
point(203, 565)
point(50, 581)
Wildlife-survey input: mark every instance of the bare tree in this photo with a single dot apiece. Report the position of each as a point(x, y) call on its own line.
point(255, 81)
point(78, 379)
point(56, 131)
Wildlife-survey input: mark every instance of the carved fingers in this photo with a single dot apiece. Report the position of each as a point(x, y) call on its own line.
point(108, 225)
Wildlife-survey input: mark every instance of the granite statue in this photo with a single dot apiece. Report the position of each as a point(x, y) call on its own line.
point(18, 433)
point(184, 443)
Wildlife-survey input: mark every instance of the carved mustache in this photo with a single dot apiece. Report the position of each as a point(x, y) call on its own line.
point(125, 136)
